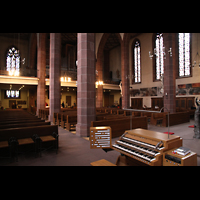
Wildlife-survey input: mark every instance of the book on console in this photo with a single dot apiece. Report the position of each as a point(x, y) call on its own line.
point(182, 151)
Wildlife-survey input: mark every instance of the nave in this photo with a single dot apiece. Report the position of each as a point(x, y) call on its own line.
point(75, 151)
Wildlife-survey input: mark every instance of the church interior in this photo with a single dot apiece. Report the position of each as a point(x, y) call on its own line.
point(56, 87)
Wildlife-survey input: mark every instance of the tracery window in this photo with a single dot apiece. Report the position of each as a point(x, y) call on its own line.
point(159, 55)
point(137, 68)
point(13, 62)
point(184, 54)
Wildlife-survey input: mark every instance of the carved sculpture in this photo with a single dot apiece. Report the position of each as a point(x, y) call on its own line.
point(120, 86)
point(197, 120)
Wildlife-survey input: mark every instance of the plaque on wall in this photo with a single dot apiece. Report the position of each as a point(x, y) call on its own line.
point(21, 102)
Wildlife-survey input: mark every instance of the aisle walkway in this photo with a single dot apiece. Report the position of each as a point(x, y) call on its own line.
point(73, 151)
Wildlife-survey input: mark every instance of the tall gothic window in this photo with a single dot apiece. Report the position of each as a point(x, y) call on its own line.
point(137, 75)
point(159, 55)
point(13, 62)
point(184, 54)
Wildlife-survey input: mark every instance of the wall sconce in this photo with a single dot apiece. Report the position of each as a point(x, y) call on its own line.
point(65, 79)
point(98, 83)
point(23, 61)
point(195, 62)
point(150, 55)
point(170, 52)
point(129, 77)
point(163, 52)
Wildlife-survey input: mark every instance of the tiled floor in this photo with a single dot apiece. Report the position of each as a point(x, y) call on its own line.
point(75, 151)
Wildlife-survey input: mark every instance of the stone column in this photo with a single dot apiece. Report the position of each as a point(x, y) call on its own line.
point(125, 73)
point(106, 65)
point(41, 70)
point(99, 90)
point(55, 69)
point(86, 111)
point(170, 73)
point(99, 96)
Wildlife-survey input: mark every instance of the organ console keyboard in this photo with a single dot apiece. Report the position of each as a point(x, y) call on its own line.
point(145, 147)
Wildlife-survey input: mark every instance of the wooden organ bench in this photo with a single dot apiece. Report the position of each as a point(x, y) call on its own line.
point(102, 162)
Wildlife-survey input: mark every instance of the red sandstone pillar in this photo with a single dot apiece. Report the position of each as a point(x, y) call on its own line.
point(106, 65)
point(41, 67)
point(55, 69)
point(85, 83)
point(125, 73)
point(99, 96)
point(99, 90)
point(170, 73)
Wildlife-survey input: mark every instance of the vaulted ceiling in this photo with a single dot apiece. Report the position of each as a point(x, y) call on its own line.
point(67, 38)
point(70, 38)
point(112, 42)
point(17, 36)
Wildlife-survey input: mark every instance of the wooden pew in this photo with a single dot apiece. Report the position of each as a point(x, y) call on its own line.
point(23, 126)
point(119, 126)
point(21, 121)
point(71, 120)
point(136, 114)
point(26, 124)
point(24, 135)
point(5, 114)
point(108, 117)
point(120, 111)
point(19, 118)
point(26, 132)
point(157, 117)
point(176, 118)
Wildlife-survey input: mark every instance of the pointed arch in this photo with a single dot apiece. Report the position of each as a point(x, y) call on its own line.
point(99, 63)
point(99, 66)
point(33, 51)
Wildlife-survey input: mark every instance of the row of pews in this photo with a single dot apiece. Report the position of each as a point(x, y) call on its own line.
point(119, 120)
point(21, 131)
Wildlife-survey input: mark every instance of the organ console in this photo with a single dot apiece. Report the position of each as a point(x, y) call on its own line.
point(144, 147)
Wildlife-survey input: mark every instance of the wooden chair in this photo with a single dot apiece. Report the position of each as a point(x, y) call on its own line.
point(13, 146)
point(48, 138)
point(4, 144)
point(24, 141)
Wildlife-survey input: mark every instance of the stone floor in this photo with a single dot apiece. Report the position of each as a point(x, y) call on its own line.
point(75, 151)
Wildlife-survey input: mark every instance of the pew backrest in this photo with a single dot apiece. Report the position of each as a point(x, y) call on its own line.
point(27, 132)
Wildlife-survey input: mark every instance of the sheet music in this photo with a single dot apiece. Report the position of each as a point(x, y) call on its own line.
point(100, 137)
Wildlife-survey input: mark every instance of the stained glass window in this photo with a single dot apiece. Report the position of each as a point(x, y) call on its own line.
point(12, 94)
point(13, 62)
point(137, 62)
point(8, 93)
point(159, 55)
point(184, 54)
